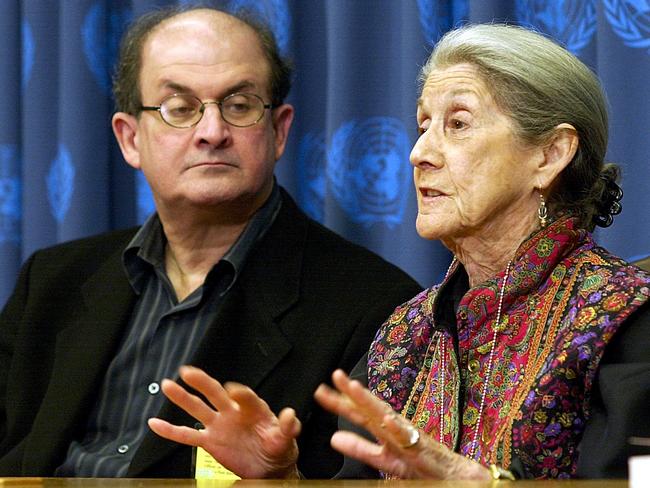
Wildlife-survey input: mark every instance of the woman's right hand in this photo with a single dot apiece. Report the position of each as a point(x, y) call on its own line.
point(401, 450)
point(240, 430)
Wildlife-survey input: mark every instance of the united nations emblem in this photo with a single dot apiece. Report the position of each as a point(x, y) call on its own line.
point(368, 169)
point(10, 194)
point(60, 183)
point(101, 47)
point(571, 22)
point(275, 13)
point(312, 159)
point(630, 20)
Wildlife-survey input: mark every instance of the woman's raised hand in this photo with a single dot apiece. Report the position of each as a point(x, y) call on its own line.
point(401, 450)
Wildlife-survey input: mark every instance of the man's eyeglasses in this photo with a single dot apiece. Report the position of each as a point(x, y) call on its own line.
point(239, 109)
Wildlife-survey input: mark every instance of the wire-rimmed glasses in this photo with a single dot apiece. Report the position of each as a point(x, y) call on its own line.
point(182, 110)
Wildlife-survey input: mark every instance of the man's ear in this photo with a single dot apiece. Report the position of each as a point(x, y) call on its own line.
point(558, 154)
point(125, 128)
point(282, 119)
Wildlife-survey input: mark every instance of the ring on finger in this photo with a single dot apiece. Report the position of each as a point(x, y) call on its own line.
point(413, 437)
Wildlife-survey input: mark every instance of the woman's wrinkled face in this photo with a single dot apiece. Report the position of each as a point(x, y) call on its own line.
point(473, 177)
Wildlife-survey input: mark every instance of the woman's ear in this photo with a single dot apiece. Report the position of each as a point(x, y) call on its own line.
point(125, 128)
point(558, 153)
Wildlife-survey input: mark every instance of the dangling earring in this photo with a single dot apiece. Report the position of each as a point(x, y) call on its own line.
point(542, 211)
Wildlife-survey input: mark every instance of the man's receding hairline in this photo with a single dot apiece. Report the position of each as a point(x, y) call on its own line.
point(219, 19)
point(216, 17)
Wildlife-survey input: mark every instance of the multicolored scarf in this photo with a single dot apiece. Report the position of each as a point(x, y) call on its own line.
point(564, 299)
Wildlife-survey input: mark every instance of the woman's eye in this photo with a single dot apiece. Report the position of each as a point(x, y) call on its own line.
point(458, 124)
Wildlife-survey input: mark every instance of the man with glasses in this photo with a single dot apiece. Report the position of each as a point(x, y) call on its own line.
point(228, 275)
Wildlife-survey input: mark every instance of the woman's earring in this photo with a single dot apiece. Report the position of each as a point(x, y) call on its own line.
point(542, 211)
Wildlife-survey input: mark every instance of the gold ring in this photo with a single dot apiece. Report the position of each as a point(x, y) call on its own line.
point(414, 437)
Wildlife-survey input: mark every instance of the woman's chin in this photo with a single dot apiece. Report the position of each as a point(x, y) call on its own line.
point(429, 230)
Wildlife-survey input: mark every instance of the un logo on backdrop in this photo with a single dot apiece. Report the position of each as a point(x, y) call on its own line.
point(100, 33)
point(572, 22)
point(312, 161)
point(367, 169)
point(60, 183)
point(437, 17)
point(630, 20)
point(10, 194)
point(274, 12)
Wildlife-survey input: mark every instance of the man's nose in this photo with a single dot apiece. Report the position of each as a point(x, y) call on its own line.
point(212, 128)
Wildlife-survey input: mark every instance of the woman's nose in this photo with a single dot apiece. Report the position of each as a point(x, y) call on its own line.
point(426, 152)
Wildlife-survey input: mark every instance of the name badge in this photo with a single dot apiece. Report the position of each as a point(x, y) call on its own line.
point(208, 468)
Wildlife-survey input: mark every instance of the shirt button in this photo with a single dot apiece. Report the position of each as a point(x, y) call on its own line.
point(473, 366)
point(122, 449)
point(153, 388)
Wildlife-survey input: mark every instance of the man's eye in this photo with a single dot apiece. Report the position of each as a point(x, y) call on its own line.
point(238, 107)
point(181, 110)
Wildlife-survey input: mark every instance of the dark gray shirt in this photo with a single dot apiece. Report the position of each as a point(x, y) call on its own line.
point(161, 336)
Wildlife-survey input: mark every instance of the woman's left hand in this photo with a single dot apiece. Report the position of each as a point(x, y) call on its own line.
point(402, 450)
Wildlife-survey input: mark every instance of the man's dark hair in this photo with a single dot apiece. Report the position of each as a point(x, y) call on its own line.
point(126, 81)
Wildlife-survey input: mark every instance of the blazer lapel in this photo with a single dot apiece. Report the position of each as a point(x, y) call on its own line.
point(245, 343)
point(83, 351)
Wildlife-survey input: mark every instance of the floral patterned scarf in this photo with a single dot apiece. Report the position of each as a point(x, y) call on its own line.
point(564, 299)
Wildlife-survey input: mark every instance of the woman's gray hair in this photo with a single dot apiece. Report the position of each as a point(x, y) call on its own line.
point(540, 85)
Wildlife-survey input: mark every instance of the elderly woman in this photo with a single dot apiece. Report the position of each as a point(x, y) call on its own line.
point(531, 356)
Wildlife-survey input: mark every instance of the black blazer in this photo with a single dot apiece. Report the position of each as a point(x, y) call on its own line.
point(306, 302)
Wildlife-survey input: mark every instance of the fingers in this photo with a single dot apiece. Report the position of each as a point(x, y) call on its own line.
point(237, 402)
point(290, 426)
point(360, 406)
point(183, 435)
point(400, 432)
point(250, 406)
point(360, 395)
point(341, 405)
point(208, 386)
point(355, 446)
point(354, 402)
point(192, 404)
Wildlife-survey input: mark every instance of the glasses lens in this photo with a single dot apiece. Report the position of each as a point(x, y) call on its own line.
point(181, 110)
point(242, 109)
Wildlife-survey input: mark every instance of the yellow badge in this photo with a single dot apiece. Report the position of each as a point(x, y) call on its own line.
point(208, 468)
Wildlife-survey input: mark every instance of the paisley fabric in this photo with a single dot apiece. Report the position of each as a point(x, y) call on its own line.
point(564, 299)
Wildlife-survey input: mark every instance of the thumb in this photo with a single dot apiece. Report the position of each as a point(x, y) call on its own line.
point(290, 426)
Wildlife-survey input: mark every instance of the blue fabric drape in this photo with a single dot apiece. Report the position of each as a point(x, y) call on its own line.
point(62, 177)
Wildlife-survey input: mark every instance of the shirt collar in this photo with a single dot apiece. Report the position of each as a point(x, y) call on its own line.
point(147, 248)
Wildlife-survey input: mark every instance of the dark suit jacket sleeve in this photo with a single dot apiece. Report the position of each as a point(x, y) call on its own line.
point(9, 320)
point(620, 405)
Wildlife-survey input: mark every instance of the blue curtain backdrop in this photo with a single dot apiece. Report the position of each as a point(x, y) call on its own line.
point(62, 177)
